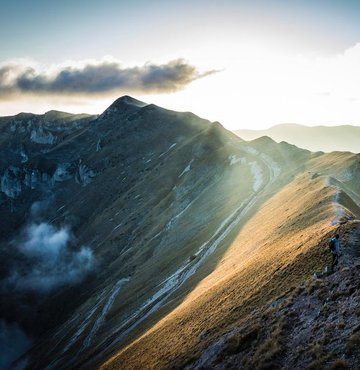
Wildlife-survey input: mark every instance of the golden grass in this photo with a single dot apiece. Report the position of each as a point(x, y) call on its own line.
point(281, 246)
point(278, 249)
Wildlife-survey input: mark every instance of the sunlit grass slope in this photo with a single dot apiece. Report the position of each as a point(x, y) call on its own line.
point(278, 248)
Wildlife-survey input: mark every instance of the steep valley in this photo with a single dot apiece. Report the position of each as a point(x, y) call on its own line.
point(150, 239)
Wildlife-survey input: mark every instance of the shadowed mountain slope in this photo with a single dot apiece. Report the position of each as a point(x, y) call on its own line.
point(324, 138)
point(168, 229)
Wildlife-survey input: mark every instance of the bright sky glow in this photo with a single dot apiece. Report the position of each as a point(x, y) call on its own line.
point(276, 61)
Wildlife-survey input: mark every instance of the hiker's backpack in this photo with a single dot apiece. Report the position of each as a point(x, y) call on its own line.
point(332, 245)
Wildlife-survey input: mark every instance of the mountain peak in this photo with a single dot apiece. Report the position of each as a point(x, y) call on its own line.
point(263, 140)
point(128, 100)
point(124, 103)
point(23, 115)
point(56, 114)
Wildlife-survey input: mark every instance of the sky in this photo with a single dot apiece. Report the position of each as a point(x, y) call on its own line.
point(247, 64)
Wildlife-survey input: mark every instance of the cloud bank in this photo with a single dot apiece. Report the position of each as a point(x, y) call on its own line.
point(96, 78)
point(48, 260)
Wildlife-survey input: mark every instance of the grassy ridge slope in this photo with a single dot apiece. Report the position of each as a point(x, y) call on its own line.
point(281, 246)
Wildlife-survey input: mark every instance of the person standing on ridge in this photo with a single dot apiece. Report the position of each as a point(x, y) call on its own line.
point(334, 245)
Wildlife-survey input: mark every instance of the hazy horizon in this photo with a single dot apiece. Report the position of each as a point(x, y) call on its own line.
point(245, 64)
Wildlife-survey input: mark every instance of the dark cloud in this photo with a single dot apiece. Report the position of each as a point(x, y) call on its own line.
point(43, 259)
point(46, 257)
point(98, 78)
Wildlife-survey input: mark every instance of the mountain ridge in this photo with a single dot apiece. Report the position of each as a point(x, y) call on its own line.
point(314, 138)
point(172, 210)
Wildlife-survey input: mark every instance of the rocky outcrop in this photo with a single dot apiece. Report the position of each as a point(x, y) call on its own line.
point(40, 136)
point(24, 141)
point(11, 182)
point(84, 175)
point(15, 180)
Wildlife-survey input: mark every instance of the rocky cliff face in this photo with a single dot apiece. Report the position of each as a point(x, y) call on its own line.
point(110, 221)
point(25, 139)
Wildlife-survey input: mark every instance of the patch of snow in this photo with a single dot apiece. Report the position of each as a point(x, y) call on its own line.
point(210, 246)
point(150, 306)
point(171, 222)
point(170, 147)
point(83, 325)
point(257, 174)
point(273, 166)
point(116, 227)
point(106, 308)
point(235, 159)
point(187, 168)
point(185, 209)
point(155, 236)
point(98, 145)
point(227, 220)
point(345, 176)
point(64, 330)
point(251, 150)
point(339, 211)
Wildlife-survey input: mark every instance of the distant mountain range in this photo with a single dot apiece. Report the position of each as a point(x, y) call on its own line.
point(317, 138)
point(145, 238)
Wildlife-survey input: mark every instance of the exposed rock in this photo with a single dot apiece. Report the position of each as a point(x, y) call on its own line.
point(41, 137)
point(84, 175)
point(62, 172)
point(10, 182)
